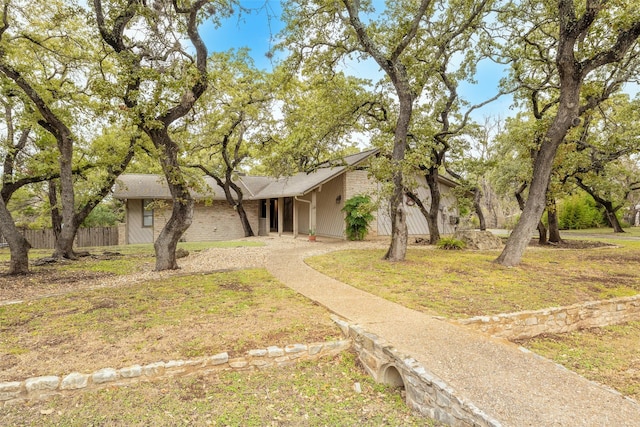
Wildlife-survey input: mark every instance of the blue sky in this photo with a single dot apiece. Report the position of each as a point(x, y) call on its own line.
point(258, 31)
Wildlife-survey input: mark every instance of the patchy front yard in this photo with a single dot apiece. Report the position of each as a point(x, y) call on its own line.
point(464, 284)
point(460, 284)
point(607, 355)
point(310, 394)
point(179, 317)
point(86, 315)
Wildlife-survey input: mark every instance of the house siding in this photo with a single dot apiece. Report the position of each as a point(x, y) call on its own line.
point(212, 222)
point(358, 182)
point(137, 234)
point(416, 222)
point(303, 214)
point(329, 217)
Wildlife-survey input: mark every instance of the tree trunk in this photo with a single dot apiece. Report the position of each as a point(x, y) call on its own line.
point(56, 218)
point(477, 195)
point(434, 209)
point(542, 233)
point(423, 209)
point(610, 213)
point(182, 210)
point(64, 245)
point(246, 225)
point(552, 217)
point(542, 167)
point(236, 203)
point(542, 230)
point(18, 245)
point(167, 242)
point(238, 206)
point(536, 201)
point(399, 233)
point(609, 209)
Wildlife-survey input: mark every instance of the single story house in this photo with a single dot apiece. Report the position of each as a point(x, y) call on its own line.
point(292, 205)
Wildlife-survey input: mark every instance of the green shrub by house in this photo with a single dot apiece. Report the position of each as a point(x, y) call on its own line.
point(359, 210)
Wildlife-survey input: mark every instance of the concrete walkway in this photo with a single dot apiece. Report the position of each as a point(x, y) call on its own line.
point(514, 387)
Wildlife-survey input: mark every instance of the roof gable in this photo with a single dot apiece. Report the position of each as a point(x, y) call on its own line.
point(146, 186)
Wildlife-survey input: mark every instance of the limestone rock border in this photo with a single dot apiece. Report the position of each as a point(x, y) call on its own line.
point(530, 323)
point(45, 387)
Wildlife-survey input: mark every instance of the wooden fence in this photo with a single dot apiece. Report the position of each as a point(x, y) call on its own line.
point(92, 236)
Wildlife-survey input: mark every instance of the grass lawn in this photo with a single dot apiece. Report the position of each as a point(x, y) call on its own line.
point(311, 394)
point(607, 355)
point(101, 266)
point(174, 318)
point(138, 257)
point(459, 284)
point(604, 232)
point(179, 317)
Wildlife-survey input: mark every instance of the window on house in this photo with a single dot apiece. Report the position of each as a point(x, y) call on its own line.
point(147, 213)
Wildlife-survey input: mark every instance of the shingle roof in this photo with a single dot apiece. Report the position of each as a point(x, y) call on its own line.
point(147, 186)
point(142, 186)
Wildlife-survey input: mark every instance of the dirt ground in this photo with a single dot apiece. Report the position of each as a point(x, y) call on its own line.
point(571, 244)
point(33, 347)
point(47, 281)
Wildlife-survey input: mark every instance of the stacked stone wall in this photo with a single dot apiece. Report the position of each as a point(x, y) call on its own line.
point(44, 387)
point(556, 320)
point(425, 392)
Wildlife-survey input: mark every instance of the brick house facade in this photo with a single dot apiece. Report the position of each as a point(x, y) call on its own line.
point(293, 205)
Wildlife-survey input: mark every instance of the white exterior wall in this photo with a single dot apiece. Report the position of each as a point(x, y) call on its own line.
point(416, 222)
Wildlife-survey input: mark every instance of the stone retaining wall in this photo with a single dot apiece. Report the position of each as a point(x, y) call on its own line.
point(45, 387)
point(425, 392)
point(528, 324)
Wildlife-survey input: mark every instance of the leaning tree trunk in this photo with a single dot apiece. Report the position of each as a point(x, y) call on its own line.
point(609, 209)
point(610, 213)
point(18, 245)
point(536, 201)
point(414, 197)
point(237, 203)
point(477, 195)
point(244, 219)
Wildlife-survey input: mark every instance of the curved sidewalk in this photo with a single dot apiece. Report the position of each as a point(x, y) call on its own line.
point(513, 386)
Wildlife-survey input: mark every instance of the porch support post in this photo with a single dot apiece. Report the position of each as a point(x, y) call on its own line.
point(295, 218)
point(280, 216)
point(268, 205)
point(312, 211)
